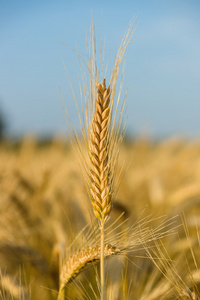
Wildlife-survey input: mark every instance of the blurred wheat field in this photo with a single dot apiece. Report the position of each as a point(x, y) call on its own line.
point(44, 208)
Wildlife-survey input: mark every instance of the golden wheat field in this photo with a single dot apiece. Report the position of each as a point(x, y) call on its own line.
point(93, 217)
point(47, 226)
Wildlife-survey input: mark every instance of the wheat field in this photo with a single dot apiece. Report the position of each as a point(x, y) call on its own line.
point(99, 217)
point(152, 245)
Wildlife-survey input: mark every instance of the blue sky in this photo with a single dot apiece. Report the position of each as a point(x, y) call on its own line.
point(162, 62)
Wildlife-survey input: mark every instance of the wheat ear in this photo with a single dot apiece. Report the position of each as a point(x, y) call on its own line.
point(100, 169)
point(10, 288)
point(79, 260)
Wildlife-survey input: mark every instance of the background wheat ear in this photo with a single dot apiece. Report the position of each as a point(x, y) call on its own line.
point(10, 288)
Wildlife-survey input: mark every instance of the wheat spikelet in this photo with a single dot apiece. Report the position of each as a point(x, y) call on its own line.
point(82, 258)
point(100, 186)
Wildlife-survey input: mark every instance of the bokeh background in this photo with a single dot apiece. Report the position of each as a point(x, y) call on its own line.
point(162, 63)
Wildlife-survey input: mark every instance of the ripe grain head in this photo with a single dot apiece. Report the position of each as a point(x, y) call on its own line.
point(100, 126)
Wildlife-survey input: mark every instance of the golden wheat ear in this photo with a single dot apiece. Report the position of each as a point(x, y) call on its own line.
point(89, 98)
point(10, 288)
point(100, 182)
point(83, 258)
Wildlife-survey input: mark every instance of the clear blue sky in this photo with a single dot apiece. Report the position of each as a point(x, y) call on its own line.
point(162, 62)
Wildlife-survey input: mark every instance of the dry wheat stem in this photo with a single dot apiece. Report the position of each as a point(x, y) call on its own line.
point(102, 263)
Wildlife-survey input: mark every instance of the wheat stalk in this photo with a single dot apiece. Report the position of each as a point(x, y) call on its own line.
point(102, 143)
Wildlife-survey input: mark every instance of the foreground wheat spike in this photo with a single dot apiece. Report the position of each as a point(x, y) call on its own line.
point(100, 186)
point(101, 134)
